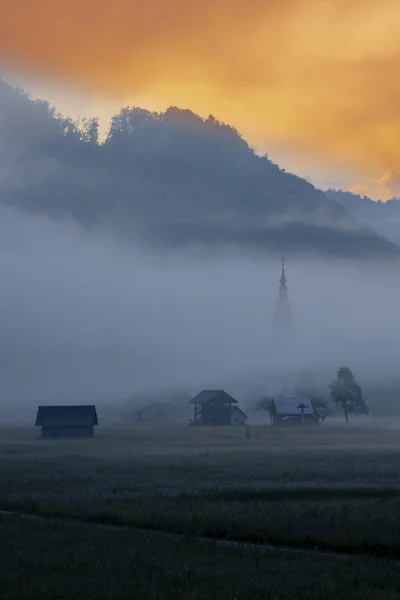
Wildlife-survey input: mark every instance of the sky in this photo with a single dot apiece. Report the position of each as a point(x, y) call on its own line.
point(313, 83)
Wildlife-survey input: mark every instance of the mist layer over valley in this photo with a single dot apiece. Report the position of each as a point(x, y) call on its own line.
point(383, 217)
point(152, 261)
point(88, 315)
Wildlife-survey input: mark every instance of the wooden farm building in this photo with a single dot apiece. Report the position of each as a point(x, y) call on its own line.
point(66, 421)
point(216, 407)
point(238, 417)
point(292, 412)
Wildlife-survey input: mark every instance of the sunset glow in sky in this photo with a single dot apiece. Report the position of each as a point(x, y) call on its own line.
point(312, 82)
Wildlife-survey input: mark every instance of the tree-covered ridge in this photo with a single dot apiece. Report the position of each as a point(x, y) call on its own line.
point(383, 217)
point(169, 178)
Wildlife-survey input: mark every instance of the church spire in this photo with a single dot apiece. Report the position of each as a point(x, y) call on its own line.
point(283, 340)
point(282, 316)
point(283, 280)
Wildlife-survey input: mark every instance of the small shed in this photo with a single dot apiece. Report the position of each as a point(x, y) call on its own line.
point(292, 412)
point(212, 407)
point(67, 421)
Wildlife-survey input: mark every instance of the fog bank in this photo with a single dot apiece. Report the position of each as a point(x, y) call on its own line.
point(85, 315)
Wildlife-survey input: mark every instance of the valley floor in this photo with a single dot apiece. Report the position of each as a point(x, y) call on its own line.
point(334, 489)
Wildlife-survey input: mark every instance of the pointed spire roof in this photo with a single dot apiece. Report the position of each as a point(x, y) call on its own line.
point(283, 280)
point(282, 315)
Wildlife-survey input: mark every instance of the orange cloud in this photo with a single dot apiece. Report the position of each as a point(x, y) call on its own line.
point(317, 76)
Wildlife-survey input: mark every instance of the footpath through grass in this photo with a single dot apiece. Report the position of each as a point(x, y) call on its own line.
point(41, 560)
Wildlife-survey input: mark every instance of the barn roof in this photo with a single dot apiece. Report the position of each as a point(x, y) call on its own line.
point(238, 409)
point(290, 406)
point(208, 396)
point(72, 416)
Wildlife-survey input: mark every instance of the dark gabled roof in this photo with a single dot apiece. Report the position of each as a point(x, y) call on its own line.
point(290, 406)
point(238, 409)
point(64, 416)
point(213, 396)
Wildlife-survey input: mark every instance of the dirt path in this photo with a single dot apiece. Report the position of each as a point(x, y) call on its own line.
point(260, 547)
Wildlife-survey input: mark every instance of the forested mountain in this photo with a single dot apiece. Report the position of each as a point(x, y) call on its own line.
point(170, 179)
point(383, 217)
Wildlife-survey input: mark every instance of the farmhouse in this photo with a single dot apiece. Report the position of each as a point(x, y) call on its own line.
point(292, 412)
point(66, 421)
point(216, 407)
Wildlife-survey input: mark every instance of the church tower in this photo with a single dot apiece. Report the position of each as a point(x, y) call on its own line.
point(283, 342)
point(282, 316)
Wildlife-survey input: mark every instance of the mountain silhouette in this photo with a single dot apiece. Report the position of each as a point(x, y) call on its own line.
point(383, 217)
point(169, 180)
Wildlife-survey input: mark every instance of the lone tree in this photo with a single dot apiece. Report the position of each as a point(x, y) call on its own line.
point(346, 392)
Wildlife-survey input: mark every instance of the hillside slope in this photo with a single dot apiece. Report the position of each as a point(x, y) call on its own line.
point(383, 217)
point(168, 179)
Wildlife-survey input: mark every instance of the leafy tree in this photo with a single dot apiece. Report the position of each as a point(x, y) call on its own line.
point(264, 404)
point(321, 408)
point(89, 130)
point(346, 392)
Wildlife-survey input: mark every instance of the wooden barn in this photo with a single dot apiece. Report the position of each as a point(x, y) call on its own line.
point(216, 407)
point(66, 421)
point(292, 412)
point(238, 417)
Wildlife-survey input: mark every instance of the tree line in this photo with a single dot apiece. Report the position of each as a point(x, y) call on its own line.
point(171, 178)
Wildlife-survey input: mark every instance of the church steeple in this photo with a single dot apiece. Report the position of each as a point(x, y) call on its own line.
point(283, 340)
point(282, 316)
point(283, 280)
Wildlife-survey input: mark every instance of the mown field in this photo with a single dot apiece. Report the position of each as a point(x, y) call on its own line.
point(334, 489)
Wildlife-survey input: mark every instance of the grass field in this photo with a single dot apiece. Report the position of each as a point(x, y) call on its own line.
point(48, 561)
point(331, 488)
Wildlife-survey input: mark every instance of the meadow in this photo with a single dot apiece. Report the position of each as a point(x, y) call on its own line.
point(333, 489)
